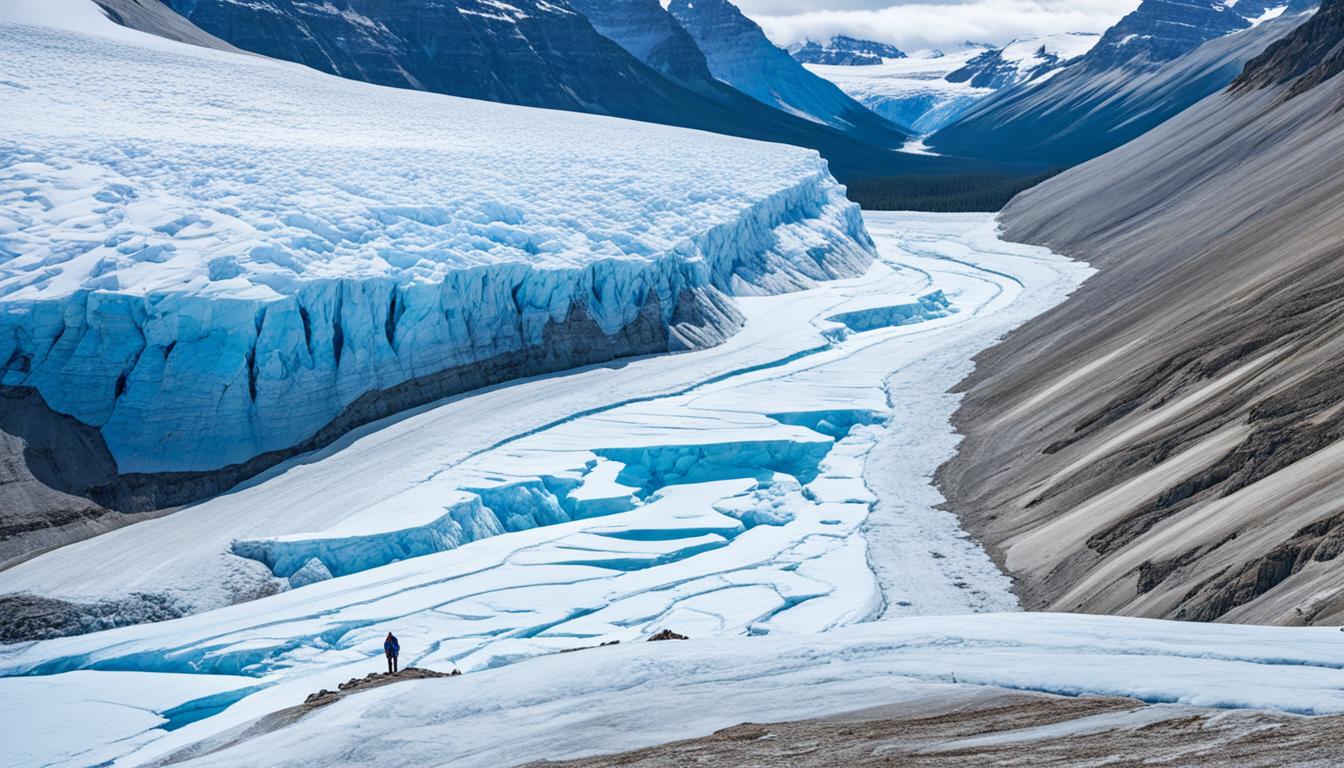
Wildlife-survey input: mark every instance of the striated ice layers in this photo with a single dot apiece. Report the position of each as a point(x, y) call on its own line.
point(239, 256)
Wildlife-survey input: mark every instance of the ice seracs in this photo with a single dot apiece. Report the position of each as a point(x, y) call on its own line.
point(207, 280)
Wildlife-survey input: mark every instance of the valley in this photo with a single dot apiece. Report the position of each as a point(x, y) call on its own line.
point(620, 382)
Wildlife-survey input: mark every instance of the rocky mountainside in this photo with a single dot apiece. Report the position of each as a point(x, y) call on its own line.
point(1311, 55)
point(739, 54)
point(528, 52)
point(842, 50)
point(1170, 441)
point(649, 33)
point(1150, 66)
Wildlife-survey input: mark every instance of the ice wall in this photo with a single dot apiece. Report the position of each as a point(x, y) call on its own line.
point(195, 382)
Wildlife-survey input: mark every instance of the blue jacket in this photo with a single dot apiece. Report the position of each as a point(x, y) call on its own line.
point(391, 646)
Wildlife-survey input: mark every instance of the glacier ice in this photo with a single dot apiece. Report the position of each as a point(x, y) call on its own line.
point(210, 274)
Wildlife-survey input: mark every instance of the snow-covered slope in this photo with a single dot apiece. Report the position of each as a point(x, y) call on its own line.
point(631, 59)
point(913, 92)
point(739, 54)
point(208, 273)
point(1155, 62)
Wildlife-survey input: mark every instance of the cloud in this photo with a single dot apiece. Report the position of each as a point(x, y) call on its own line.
point(931, 23)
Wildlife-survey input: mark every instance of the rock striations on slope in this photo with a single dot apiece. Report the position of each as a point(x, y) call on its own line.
point(1170, 441)
point(195, 288)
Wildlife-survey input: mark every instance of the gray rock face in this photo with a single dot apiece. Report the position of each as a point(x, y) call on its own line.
point(154, 17)
point(1153, 64)
point(1170, 441)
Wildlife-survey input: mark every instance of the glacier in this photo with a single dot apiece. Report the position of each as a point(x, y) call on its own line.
point(216, 277)
point(912, 92)
point(776, 485)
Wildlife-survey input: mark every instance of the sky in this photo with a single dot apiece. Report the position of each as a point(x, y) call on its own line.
point(918, 24)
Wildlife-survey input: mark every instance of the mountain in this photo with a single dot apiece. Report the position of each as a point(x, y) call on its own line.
point(1151, 65)
point(1159, 31)
point(528, 52)
point(649, 33)
point(233, 280)
point(844, 51)
point(739, 54)
point(1170, 441)
point(1023, 60)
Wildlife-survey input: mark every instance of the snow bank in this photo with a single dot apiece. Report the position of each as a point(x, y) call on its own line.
point(237, 252)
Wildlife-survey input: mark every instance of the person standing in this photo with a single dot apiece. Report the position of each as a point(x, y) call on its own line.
point(391, 648)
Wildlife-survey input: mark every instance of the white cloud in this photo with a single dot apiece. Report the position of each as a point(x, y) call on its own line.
point(929, 23)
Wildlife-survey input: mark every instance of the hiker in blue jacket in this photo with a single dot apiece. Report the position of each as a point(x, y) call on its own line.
point(391, 647)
